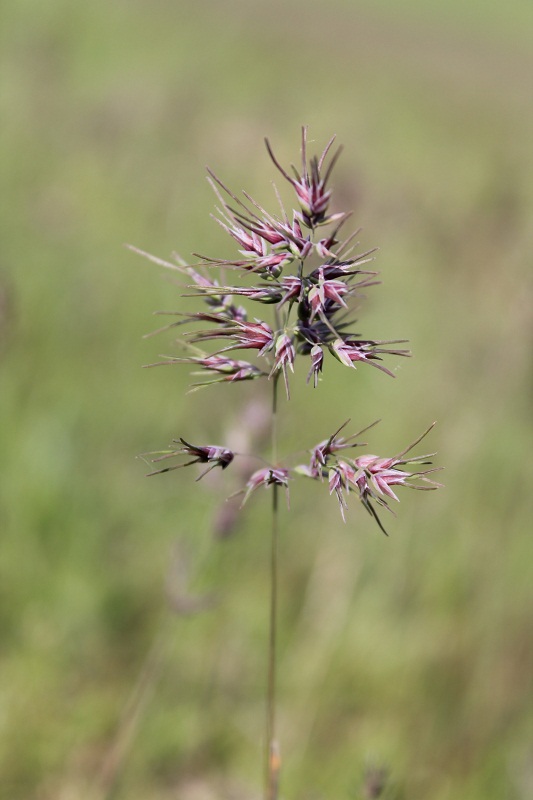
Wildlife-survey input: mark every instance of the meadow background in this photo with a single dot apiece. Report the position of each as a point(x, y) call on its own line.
point(412, 653)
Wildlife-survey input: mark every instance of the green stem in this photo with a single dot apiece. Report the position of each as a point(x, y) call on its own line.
point(272, 762)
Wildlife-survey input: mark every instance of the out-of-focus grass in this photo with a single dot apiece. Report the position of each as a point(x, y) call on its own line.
point(414, 652)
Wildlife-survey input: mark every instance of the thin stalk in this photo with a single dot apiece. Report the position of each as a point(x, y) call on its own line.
point(272, 759)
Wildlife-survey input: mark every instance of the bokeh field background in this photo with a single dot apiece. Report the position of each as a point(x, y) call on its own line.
point(412, 653)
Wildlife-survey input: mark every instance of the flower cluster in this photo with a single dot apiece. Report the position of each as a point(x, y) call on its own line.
point(300, 266)
point(369, 477)
point(308, 279)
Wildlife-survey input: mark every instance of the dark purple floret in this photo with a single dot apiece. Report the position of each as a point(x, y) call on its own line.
point(311, 184)
point(202, 454)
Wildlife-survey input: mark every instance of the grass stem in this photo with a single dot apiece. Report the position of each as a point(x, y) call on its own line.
point(272, 759)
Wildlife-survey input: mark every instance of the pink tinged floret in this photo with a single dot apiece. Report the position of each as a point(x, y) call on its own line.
point(284, 351)
point(292, 288)
point(227, 366)
point(269, 232)
point(284, 355)
point(231, 370)
point(255, 335)
point(322, 248)
point(348, 472)
point(317, 359)
point(350, 352)
point(271, 263)
point(382, 473)
point(267, 476)
point(347, 353)
point(381, 479)
point(224, 311)
point(324, 290)
point(253, 243)
point(263, 262)
point(254, 240)
point(261, 294)
point(246, 336)
point(375, 476)
point(372, 477)
point(318, 459)
point(337, 484)
point(292, 239)
point(384, 479)
point(246, 373)
point(334, 290)
point(329, 447)
point(223, 319)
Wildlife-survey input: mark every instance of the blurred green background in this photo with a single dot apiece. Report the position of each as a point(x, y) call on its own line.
point(412, 653)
